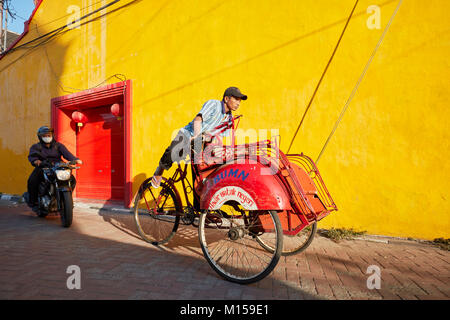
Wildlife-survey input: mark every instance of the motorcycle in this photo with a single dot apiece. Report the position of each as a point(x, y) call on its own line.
point(55, 191)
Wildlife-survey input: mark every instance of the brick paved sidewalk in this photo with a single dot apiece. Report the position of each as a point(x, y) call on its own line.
point(116, 264)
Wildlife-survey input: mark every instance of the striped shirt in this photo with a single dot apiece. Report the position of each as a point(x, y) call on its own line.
point(213, 114)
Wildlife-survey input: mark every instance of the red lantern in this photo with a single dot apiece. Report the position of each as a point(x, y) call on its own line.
point(115, 110)
point(79, 118)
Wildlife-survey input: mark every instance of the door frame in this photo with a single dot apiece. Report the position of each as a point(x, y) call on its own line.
point(65, 130)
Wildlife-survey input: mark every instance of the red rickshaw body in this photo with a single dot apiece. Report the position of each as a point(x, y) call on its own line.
point(261, 177)
point(293, 187)
point(248, 184)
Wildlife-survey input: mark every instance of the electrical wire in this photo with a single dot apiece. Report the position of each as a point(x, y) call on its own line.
point(11, 10)
point(359, 80)
point(8, 8)
point(62, 17)
point(50, 35)
point(119, 76)
point(323, 75)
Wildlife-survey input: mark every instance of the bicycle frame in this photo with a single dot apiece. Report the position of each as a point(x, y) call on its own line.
point(180, 175)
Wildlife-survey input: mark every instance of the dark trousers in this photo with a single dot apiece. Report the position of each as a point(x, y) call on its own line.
point(178, 150)
point(33, 184)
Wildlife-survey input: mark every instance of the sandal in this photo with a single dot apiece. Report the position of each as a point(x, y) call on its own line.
point(156, 181)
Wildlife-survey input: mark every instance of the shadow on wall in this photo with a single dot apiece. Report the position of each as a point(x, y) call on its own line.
point(14, 174)
point(137, 181)
point(45, 58)
point(30, 78)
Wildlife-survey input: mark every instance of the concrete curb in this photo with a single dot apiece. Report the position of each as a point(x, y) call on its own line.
point(19, 199)
point(12, 198)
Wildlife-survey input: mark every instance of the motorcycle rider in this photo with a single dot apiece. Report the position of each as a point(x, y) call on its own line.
point(46, 149)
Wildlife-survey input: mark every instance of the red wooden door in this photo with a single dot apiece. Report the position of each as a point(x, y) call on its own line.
point(100, 146)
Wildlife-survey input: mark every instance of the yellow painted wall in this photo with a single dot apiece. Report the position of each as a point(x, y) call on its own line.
point(386, 166)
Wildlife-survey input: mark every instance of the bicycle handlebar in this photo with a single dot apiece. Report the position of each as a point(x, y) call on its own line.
point(64, 165)
point(68, 165)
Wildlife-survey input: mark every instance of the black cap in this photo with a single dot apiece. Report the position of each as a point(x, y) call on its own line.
point(234, 92)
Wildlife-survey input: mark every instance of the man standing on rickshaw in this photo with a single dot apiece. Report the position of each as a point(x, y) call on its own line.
point(213, 113)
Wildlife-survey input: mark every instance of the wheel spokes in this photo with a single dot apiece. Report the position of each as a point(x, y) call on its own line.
point(156, 214)
point(232, 248)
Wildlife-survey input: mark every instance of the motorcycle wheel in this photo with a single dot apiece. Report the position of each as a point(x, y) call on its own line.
point(66, 211)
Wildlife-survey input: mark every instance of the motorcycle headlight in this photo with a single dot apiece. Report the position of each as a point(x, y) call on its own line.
point(63, 174)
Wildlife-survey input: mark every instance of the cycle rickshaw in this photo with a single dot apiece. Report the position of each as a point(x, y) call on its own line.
point(252, 204)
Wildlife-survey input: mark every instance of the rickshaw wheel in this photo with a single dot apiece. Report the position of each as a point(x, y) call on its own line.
point(157, 213)
point(294, 244)
point(230, 247)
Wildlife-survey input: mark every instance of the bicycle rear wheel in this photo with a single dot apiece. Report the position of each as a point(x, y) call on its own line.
point(228, 242)
point(294, 244)
point(157, 213)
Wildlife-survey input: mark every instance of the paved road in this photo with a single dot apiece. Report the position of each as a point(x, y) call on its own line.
point(116, 264)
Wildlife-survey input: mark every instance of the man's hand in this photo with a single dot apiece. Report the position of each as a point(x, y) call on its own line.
point(79, 161)
point(207, 137)
point(37, 163)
